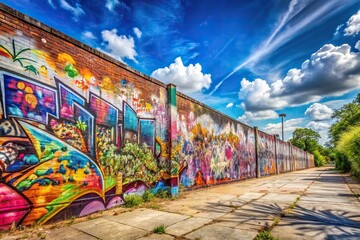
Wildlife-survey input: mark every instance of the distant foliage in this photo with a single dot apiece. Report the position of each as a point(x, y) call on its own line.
point(306, 139)
point(349, 145)
point(344, 137)
point(319, 159)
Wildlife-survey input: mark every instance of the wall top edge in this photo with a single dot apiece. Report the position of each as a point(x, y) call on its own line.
point(210, 108)
point(77, 43)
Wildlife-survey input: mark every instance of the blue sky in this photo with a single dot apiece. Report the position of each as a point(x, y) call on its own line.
point(248, 59)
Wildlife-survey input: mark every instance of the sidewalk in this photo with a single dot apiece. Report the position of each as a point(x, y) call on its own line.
point(309, 204)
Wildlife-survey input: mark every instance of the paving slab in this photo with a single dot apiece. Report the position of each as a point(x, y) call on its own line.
point(214, 212)
point(216, 232)
point(187, 226)
point(67, 233)
point(138, 215)
point(289, 230)
point(111, 230)
point(156, 236)
point(149, 224)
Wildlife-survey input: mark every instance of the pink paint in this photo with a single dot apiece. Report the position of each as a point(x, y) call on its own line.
point(93, 206)
point(13, 206)
point(115, 201)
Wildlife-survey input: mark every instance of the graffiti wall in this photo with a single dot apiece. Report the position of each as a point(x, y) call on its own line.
point(283, 156)
point(79, 130)
point(212, 148)
point(266, 154)
point(299, 158)
point(76, 131)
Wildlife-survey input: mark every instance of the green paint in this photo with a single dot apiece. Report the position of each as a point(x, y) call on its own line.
point(172, 95)
point(25, 184)
point(71, 70)
point(110, 181)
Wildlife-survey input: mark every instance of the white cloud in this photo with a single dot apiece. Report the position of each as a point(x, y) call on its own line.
point(357, 45)
point(111, 4)
point(318, 126)
point(290, 25)
point(322, 128)
point(119, 46)
point(188, 79)
point(331, 71)
point(229, 105)
point(338, 30)
point(76, 10)
point(353, 25)
point(319, 112)
point(261, 115)
point(289, 126)
point(137, 32)
point(88, 35)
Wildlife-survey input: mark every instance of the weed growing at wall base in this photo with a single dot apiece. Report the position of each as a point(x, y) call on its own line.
point(159, 229)
point(133, 200)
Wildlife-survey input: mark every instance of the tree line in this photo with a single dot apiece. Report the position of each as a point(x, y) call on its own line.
point(343, 147)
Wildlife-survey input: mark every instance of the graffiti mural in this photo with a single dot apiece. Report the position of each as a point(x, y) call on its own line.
point(212, 150)
point(266, 154)
point(78, 132)
point(283, 156)
point(70, 144)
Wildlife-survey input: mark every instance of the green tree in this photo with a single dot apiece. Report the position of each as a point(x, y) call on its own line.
point(306, 139)
point(347, 116)
point(349, 145)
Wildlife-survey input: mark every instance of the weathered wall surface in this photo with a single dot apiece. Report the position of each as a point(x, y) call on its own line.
point(212, 148)
point(283, 156)
point(78, 130)
point(266, 154)
point(65, 117)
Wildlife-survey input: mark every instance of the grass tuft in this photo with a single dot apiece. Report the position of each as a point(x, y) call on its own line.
point(159, 229)
point(265, 235)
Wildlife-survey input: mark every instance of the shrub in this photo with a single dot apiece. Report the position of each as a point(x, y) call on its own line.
point(319, 159)
point(132, 200)
point(349, 145)
point(147, 196)
point(342, 163)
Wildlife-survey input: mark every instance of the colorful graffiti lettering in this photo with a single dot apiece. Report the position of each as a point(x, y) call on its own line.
point(59, 145)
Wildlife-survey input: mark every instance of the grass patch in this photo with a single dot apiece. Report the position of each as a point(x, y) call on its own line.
point(264, 235)
point(132, 201)
point(163, 194)
point(159, 229)
point(147, 196)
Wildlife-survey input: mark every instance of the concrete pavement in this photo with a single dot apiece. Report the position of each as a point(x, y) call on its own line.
point(309, 204)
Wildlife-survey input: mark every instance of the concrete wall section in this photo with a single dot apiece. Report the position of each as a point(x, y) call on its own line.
point(212, 148)
point(266, 154)
point(283, 156)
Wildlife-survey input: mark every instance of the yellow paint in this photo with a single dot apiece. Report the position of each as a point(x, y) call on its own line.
point(29, 90)
point(43, 71)
point(21, 85)
point(86, 74)
point(148, 107)
point(31, 100)
point(66, 58)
